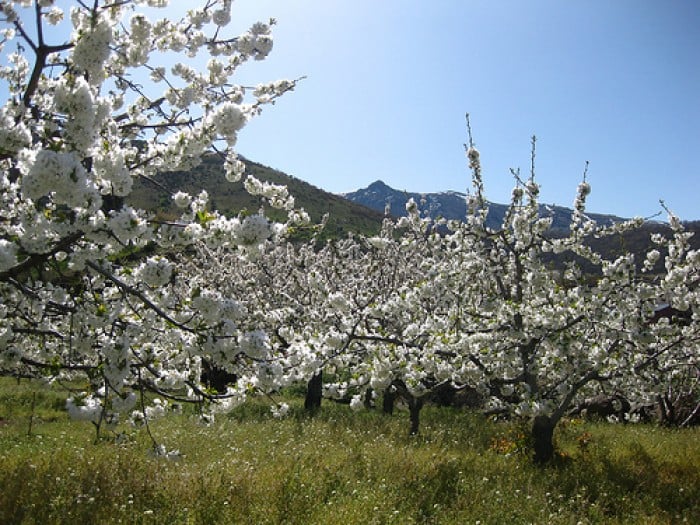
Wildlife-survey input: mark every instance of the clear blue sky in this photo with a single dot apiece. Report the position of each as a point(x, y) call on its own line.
point(616, 83)
point(613, 82)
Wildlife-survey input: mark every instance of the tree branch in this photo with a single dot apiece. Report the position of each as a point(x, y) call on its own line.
point(138, 294)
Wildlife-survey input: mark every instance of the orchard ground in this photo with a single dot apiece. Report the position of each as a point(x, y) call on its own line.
point(338, 466)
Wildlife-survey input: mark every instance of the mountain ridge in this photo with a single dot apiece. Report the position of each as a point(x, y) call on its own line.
point(451, 204)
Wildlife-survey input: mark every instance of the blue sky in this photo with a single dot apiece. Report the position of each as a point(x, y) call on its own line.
point(616, 83)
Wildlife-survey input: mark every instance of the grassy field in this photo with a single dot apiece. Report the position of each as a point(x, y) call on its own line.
point(336, 468)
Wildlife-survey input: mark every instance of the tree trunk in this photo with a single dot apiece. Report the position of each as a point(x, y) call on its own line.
point(388, 400)
point(542, 437)
point(414, 407)
point(314, 392)
point(216, 378)
point(368, 399)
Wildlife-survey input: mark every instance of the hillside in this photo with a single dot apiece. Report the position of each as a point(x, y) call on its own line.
point(230, 197)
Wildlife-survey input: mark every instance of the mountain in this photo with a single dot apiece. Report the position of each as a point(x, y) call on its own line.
point(230, 197)
point(452, 205)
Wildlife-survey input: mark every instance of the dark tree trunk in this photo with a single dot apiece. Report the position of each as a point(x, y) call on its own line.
point(414, 407)
point(216, 378)
point(368, 399)
point(543, 439)
point(111, 203)
point(314, 392)
point(388, 400)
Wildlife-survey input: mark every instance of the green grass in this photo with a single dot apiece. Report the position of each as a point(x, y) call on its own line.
point(338, 467)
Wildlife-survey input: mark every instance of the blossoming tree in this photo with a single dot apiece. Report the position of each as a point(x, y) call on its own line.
point(536, 338)
point(86, 281)
point(390, 347)
point(669, 365)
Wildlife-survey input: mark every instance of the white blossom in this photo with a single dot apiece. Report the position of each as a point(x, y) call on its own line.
point(229, 119)
point(155, 271)
point(251, 230)
point(182, 199)
point(8, 255)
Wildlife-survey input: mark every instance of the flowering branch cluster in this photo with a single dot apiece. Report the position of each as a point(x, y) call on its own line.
point(88, 283)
